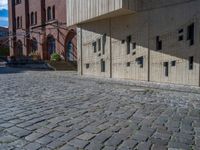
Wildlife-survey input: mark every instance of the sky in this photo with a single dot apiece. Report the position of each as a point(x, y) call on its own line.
point(4, 13)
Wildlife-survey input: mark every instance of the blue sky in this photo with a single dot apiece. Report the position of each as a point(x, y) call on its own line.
point(4, 13)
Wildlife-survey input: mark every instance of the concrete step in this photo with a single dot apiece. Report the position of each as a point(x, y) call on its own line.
point(63, 65)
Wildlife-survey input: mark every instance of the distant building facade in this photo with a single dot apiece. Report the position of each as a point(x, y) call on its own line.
point(4, 40)
point(156, 41)
point(40, 25)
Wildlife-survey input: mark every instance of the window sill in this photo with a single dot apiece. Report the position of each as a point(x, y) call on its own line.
point(50, 21)
point(33, 25)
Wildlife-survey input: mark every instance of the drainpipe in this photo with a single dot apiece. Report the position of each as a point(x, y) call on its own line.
point(149, 53)
point(81, 48)
point(110, 48)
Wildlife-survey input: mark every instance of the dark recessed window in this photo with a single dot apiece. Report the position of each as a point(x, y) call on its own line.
point(190, 34)
point(94, 44)
point(128, 64)
point(180, 38)
point(19, 22)
point(158, 43)
point(128, 41)
point(35, 18)
point(134, 45)
point(53, 12)
point(191, 63)
point(103, 65)
point(180, 31)
point(180, 35)
point(49, 15)
point(99, 44)
point(87, 66)
point(173, 63)
point(166, 68)
point(140, 61)
point(133, 53)
point(104, 43)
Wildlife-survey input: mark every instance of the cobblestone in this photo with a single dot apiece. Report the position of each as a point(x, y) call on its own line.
point(79, 143)
point(32, 146)
point(60, 110)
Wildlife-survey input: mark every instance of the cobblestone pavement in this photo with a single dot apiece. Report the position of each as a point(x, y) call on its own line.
point(59, 110)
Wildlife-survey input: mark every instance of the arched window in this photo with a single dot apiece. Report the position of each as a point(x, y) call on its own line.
point(70, 49)
point(21, 22)
point(53, 12)
point(18, 22)
point(51, 44)
point(49, 13)
point(32, 18)
point(35, 17)
point(34, 45)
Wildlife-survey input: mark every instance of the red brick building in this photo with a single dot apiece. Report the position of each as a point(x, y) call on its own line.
point(40, 26)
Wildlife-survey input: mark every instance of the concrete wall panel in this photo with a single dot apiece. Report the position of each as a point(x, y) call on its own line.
point(144, 27)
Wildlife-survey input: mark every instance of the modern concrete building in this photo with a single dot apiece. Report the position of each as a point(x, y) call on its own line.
point(146, 40)
point(4, 37)
point(40, 25)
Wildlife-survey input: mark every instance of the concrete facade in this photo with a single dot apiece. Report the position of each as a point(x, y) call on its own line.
point(158, 41)
point(41, 28)
point(3, 37)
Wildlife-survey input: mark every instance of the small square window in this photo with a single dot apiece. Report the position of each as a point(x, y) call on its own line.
point(123, 41)
point(173, 63)
point(134, 53)
point(134, 45)
point(140, 61)
point(87, 66)
point(180, 31)
point(180, 38)
point(128, 64)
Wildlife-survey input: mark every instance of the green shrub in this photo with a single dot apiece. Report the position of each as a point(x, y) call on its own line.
point(4, 52)
point(55, 57)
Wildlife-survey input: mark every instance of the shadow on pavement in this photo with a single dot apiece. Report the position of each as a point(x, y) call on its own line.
point(9, 70)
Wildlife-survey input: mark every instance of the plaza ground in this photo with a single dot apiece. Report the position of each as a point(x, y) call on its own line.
point(60, 110)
